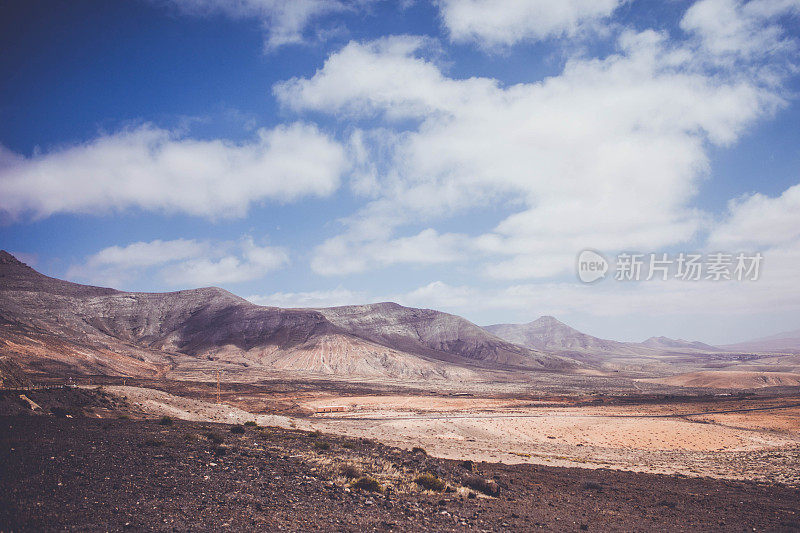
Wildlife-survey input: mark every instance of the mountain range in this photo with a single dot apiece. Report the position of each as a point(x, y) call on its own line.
point(787, 341)
point(550, 334)
point(54, 326)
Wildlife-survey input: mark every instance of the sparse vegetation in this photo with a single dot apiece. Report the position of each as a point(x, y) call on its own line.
point(467, 465)
point(369, 484)
point(238, 429)
point(351, 471)
point(430, 482)
point(153, 443)
point(486, 486)
point(220, 450)
point(214, 437)
point(165, 421)
point(418, 450)
point(321, 445)
point(251, 423)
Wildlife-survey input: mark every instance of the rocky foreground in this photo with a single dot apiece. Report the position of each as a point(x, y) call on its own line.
point(64, 470)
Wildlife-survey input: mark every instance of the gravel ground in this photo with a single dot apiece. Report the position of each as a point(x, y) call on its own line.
point(80, 473)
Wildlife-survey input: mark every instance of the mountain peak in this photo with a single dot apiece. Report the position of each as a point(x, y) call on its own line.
point(549, 333)
point(548, 319)
point(8, 259)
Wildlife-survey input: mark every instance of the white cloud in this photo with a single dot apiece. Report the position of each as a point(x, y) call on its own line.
point(493, 23)
point(328, 298)
point(154, 169)
point(757, 220)
point(733, 30)
point(285, 22)
point(775, 291)
point(440, 295)
point(361, 80)
point(608, 154)
point(181, 263)
point(335, 256)
point(147, 254)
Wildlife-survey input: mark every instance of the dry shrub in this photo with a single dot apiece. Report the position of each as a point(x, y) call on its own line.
point(430, 482)
point(351, 471)
point(216, 438)
point(369, 484)
point(486, 486)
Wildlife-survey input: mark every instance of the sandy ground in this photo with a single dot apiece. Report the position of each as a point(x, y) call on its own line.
point(688, 439)
point(160, 403)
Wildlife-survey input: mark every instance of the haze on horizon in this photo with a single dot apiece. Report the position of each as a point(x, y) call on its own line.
point(455, 155)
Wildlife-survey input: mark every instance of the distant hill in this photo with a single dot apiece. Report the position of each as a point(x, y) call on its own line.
point(550, 334)
point(665, 343)
point(787, 341)
point(54, 326)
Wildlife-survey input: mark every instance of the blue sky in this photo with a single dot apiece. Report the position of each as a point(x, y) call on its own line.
point(456, 155)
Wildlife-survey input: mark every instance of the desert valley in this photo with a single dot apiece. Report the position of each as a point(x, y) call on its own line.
point(421, 265)
point(352, 387)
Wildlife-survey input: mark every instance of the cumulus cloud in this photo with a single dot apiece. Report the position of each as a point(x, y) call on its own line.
point(159, 170)
point(757, 220)
point(284, 22)
point(493, 23)
point(147, 254)
point(733, 30)
point(181, 263)
point(335, 256)
point(608, 154)
point(326, 298)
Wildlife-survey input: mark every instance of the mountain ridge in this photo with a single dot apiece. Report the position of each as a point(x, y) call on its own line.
point(56, 325)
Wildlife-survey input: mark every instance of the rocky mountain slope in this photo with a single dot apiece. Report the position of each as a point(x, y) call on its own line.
point(55, 326)
point(434, 333)
point(549, 333)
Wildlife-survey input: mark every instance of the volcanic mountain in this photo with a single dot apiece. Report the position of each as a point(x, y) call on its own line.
point(433, 333)
point(549, 333)
point(60, 327)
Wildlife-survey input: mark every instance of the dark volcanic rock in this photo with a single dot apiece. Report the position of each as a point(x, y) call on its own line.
point(92, 474)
